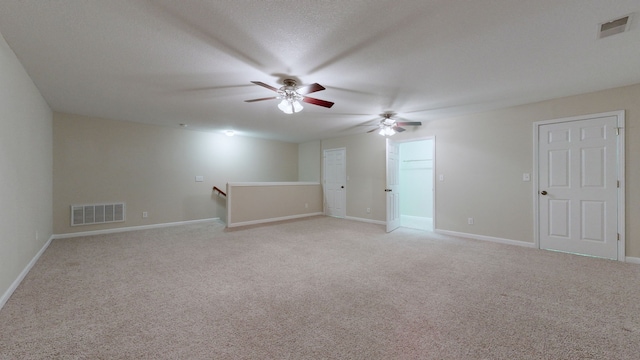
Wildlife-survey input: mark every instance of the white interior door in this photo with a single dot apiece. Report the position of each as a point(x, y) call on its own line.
point(334, 182)
point(578, 186)
point(393, 188)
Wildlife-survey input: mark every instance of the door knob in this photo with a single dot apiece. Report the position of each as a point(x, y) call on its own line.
point(543, 192)
point(387, 190)
point(342, 187)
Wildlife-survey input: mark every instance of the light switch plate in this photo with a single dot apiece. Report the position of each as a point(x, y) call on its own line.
point(199, 178)
point(526, 177)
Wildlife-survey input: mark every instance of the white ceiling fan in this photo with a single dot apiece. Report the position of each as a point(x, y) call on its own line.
point(291, 95)
point(388, 126)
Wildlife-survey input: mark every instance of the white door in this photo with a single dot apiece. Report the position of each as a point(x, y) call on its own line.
point(334, 182)
point(578, 186)
point(393, 188)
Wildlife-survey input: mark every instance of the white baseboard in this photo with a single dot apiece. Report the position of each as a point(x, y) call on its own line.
point(263, 221)
point(371, 221)
point(7, 294)
point(485, 238)
point(632, 260)
point(130, 228)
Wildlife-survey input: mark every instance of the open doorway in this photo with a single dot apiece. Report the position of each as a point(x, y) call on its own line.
point(417, 163)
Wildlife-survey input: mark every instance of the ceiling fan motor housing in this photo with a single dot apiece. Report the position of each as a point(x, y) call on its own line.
point(289, 83)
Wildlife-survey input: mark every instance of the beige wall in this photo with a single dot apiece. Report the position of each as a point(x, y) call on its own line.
point(482, 158)
point(309, 161)
point(25, 170)
point(153, 169)
point(253, 203)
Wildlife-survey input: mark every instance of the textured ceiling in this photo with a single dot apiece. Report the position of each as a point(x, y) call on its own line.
point(168, 62)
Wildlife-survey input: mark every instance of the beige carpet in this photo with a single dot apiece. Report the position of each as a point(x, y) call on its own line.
point(318, 288)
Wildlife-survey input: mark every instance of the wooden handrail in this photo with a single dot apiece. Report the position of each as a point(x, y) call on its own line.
point(215, 188)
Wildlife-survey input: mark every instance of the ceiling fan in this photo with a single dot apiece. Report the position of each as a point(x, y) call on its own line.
point(291, 95)
point(389, 126)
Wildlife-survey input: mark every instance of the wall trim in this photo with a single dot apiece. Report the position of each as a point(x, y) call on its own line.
point(262, 221)
point(130, 228)
point(371, 221)
point(632, 260)
point(7, 294)
point(486, 238)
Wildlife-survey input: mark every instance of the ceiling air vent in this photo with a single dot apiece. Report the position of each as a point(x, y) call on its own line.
point(613, 27)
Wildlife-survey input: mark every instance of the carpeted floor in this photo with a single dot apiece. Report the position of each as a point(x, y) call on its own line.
point(317, 288)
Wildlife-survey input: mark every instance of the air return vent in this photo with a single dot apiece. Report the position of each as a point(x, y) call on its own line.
point(97, 214)
point(613, 27)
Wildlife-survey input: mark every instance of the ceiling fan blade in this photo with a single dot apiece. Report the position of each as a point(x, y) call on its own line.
point(398, 129)
point(267, 98)
point(319, 102)
point(265, 85)
point(409, 123)
point(308, 89)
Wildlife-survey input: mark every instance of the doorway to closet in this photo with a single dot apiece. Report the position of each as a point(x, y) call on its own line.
point(416, 177)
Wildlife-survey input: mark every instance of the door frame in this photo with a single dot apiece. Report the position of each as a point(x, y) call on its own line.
point(620, 152)
point(392, 191)
point(323, 179)
point(433, 189)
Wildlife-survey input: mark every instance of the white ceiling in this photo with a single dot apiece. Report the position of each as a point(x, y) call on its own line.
point(168, 62)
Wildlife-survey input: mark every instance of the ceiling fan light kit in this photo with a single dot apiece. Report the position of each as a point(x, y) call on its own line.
point(387, 131)
point(290, 106)
point(290, 98)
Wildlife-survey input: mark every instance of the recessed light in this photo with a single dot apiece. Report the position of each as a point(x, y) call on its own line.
point(229, 132)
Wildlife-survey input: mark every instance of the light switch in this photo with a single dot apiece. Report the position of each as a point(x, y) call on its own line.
point(526, 177)
point(441, 177)
point(199, 178)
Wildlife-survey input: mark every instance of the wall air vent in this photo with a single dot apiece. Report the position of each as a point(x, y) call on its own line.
point(613, 27)
point(97, 214)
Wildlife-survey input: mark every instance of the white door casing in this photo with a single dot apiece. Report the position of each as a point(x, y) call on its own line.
point(393, 189)
point(334, 182)
point(578, 171)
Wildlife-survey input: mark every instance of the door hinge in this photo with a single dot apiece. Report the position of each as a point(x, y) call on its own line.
point(618, 183)
point(618, 236)
point(618, 130)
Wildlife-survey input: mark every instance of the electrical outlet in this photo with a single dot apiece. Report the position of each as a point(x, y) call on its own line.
point(470, 221)
point(368, 210)
point(145, 214)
